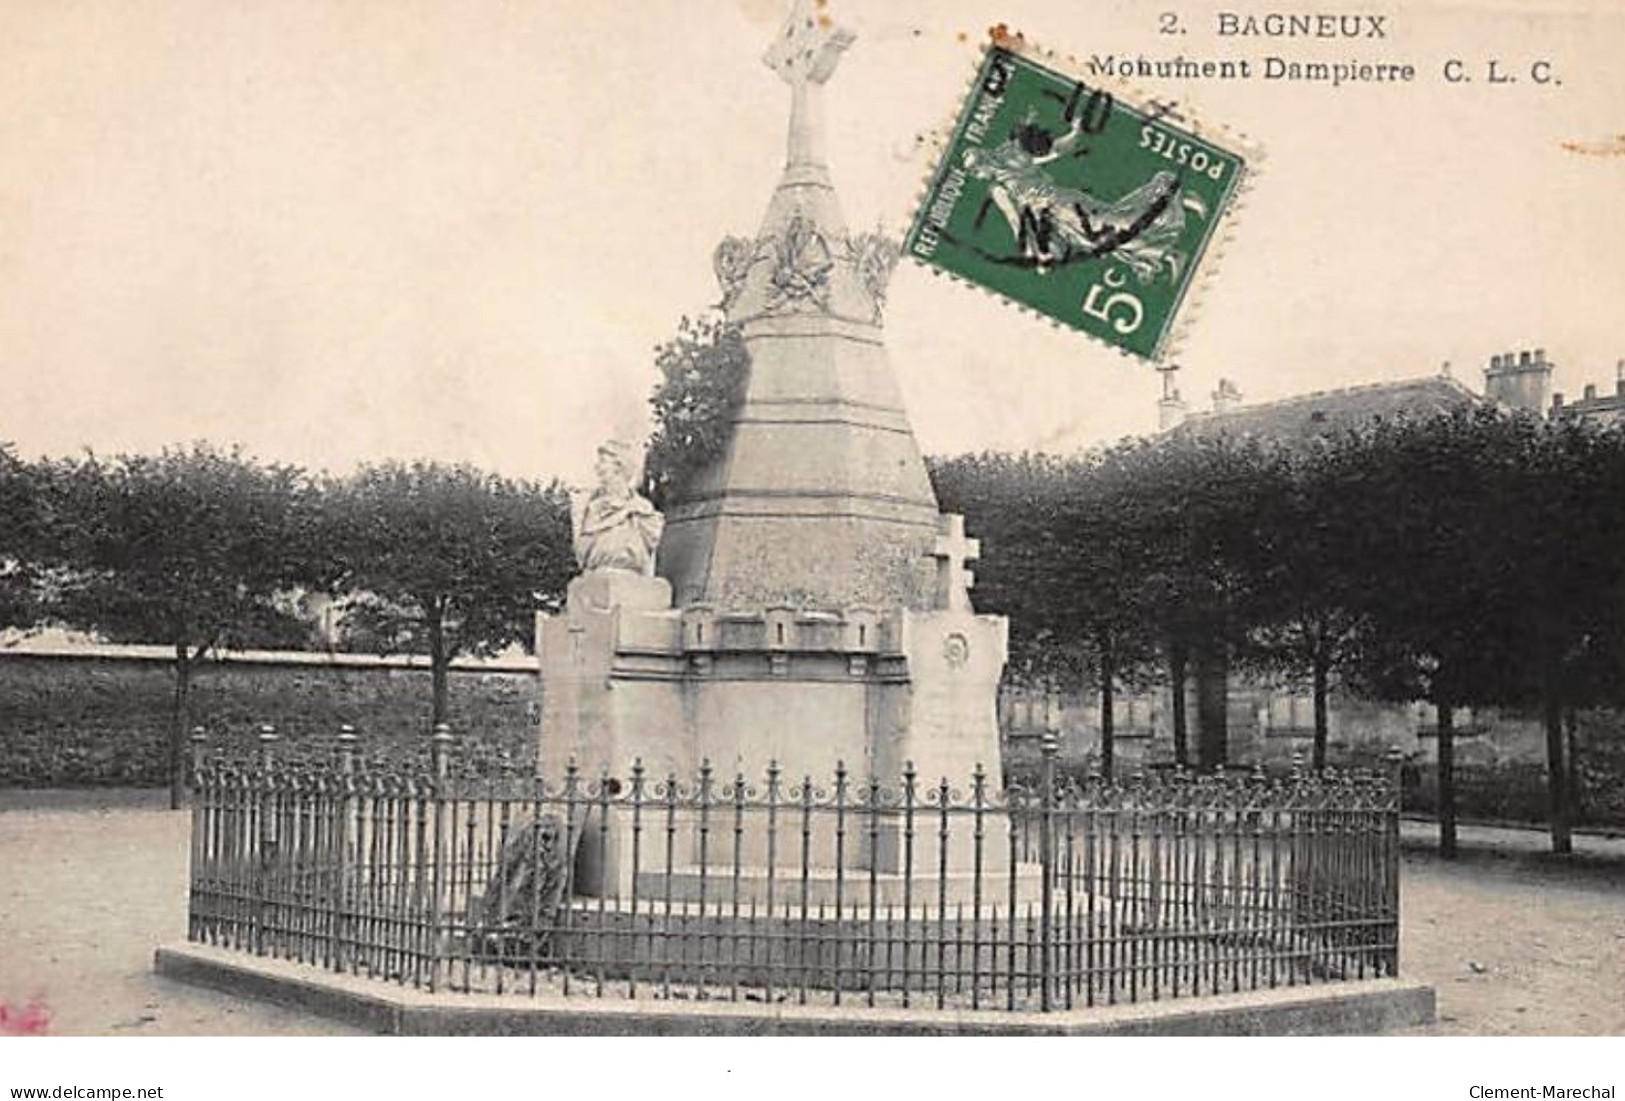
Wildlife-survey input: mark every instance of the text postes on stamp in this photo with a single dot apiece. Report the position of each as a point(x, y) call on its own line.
point(1073, 201)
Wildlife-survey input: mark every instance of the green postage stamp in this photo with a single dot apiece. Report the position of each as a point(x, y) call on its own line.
point(1070, 201)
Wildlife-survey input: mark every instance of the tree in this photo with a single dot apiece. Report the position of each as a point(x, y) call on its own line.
point(21, 532)
point(1441, 591)
point(1305, 618)
point(703, 373)
point(1009, 502)
point(1059, 561)
point(445, 560)
point(1563, 484)
point(187, 548)
point(1187, 510)
point(1112, 528)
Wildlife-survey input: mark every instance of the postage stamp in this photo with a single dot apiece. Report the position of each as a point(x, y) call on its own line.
point(1075, 201)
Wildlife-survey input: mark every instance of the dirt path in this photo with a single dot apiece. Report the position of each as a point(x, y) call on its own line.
point(91, 885)
point(1515, 942)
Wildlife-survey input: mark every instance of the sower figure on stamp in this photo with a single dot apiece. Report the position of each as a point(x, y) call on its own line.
point(1056, 223)
point(613, 527)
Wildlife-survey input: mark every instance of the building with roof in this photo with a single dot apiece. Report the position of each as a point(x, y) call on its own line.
point(1604, 408)
point(1513, 380)
point(1305, 416)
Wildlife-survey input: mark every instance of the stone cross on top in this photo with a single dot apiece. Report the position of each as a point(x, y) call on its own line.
point(805, 54)
point(952, 551)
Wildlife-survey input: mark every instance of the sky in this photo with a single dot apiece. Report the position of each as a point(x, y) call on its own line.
point(353, 230)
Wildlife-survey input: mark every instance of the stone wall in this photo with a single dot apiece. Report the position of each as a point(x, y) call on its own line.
point(102, 717)
point(1267, 726)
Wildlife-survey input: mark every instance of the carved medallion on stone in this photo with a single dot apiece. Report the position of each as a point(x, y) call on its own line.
point(956, 650)
point(801, 268)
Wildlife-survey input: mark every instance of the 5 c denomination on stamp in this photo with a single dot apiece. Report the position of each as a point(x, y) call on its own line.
point(1076, 201)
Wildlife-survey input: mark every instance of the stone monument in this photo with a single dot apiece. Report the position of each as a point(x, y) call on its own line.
point(808, 603)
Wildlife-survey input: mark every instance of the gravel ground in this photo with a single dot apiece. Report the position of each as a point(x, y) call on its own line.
point(1516, 942)
point(93, 882)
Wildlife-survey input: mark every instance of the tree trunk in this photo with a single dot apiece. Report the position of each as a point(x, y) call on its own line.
point(439, 661)
point(1321, 674)
point(1557, 795)
point(1571, 724)
point(1176, 676)
point(1107, 732)
point(1447, 779)
point(180, 723)
point(1212, 706)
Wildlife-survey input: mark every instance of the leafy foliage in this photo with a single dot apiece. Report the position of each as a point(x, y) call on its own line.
point(1306, 616)
point(1012, 503)
point(188, 548)
point(1468, 558)
point(21, 522)
point(1507, 582)
point(1192, 506)
point(1107, 561)
point(444, 560)
point(1055, 542)
point(703, 373)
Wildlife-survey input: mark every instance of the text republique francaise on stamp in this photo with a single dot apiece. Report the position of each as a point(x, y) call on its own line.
point(1077, 202)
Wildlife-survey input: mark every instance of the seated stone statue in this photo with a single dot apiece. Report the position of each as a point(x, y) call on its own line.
point(615, 528)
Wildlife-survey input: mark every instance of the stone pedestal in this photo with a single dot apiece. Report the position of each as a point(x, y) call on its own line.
point(626, 678)
point(604, 590)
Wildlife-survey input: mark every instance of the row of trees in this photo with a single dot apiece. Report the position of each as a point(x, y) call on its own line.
point(202, 549)
point(1472, 558)
point(1468, 559)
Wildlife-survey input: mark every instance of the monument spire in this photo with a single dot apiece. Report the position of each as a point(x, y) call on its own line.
point(821, 499)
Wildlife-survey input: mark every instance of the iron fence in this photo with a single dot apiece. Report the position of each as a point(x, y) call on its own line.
point(649, 885)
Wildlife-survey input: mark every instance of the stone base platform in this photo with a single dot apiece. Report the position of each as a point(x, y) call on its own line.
point(853, 887)
point(1345, 1008)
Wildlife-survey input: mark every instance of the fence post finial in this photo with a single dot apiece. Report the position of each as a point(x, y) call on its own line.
point(440, 749)
point(347, 743)
point(268, 740)
point(1396, 773)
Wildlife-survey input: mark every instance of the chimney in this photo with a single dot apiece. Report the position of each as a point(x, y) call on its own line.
point(1619, 379)
point(1591, 392)
point(1171, 408)
point(1171, 411)
point(1226, 398)
point(1522, 380)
